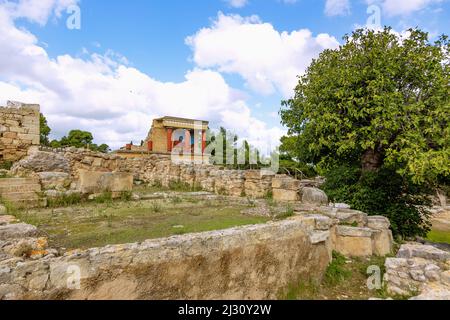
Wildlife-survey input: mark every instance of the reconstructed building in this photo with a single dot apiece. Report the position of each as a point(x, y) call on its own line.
point(170, 135)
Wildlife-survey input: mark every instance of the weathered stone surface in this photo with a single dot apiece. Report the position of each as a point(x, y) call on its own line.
point(285, 182)
point(41, 161)
point(285, 195)
point(378, 223)
point(382, 241)
point(418, 269)
point(314, 196)
point(354, 246)
point(423, 251)
point(255, 262)
point(19, 130)
point(347, 231)
point(2, 210)
point(349, 216)
point(319, 236)
point(19, 230)
point(98, 182)
point(55, 180)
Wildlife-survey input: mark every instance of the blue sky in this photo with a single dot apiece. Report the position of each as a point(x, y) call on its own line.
point(133, 60)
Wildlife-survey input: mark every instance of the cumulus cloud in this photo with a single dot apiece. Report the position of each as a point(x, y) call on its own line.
point(102, 94)
point(404, 7)
point(267, 59)
point(337, 7)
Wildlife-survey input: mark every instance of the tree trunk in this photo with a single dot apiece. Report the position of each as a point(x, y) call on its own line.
point(371, 161)
point(442, 198)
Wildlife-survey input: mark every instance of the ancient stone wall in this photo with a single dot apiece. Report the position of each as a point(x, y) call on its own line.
point(19, 130)
point(161, 170)
point(252, 262)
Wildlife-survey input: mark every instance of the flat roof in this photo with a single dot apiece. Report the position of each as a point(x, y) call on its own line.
point(177, 119)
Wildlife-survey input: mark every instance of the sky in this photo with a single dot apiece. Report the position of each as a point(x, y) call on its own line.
point(110, 67)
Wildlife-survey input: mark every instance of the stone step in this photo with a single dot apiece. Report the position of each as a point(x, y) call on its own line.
point(15, 196)
point(18, 181)
point(20, 188)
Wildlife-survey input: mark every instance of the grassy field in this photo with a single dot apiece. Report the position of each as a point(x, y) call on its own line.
point(439, 236)
point(98, 224)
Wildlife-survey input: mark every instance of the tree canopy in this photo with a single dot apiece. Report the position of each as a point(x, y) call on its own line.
point(373, 116)
point(379, 99)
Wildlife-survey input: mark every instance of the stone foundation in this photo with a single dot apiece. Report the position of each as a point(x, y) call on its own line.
point(252, 262)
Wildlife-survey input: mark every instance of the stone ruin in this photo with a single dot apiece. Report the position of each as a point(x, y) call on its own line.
point(258, 257)
point(19, 130)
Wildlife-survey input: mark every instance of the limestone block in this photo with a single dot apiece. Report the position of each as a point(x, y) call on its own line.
point(409, 251)
point(98, 182)
point(42, 162)
point(285, 182)
point(354, 242)
point(54, 180)
point(319, 236)
point(354, 232)
point(285, 195)
point(383, 242)
point(314, 196)
point(352, 216)
point(354, 246)
point(19, 230)
point(378, 223)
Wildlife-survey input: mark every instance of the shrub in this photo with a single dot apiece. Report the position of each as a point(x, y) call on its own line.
point(382, 193)
point(65, 200)
point(6, 165)
point(105, 197)
point(336, 272)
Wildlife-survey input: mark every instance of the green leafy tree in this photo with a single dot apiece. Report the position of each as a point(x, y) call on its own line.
point(380, 104)
point(78, 139)
point(44, 131)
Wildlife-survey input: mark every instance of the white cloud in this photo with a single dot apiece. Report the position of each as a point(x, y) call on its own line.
point(237, 3)
point(114, 101)
point(267, 59)
point(404, 7)
point(337, 7)
point(37, 11)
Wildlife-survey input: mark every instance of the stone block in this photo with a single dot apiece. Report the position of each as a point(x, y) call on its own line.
point(19, 230)
point(98, 182)
point(286, 183)
point(314, 196)
point(354, 246)
point(354, 232)
point(378, 223)
point(54, 180)
point(383, 242)
point(285, 195)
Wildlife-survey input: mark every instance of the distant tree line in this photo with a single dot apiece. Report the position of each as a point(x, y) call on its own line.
point(75, 138)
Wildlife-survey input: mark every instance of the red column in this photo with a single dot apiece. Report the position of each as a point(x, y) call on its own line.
point(169, 140)
point(187, 142)
point(203, 141)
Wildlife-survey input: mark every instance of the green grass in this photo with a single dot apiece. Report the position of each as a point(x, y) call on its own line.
point(98, 224)
point(439, 236)
point(344, 279)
